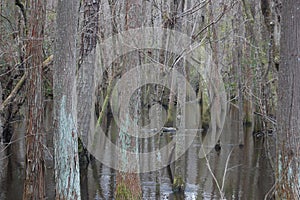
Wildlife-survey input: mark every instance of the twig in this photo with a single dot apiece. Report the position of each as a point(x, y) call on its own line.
point(19, 85)
point(225, 171)
point(219, 17)
point(21, 6)
point(271, 191)
point(273, 121)
point(14, 92)
point(212, 174)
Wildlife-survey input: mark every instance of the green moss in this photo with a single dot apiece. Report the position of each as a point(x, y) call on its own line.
point(178, 184)
point(47, 88)
point(171, 115)
point(51, 16)
point(247, 122)
point(205, 118)
point(124, 193)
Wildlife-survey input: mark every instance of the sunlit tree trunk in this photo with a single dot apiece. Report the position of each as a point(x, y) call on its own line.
point(65, 102)
point(288, 114)
point(34, 185)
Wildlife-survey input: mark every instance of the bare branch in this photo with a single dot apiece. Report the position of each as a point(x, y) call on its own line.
point(19, 85)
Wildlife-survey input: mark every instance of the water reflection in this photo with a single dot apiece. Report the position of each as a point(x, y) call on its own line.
point(246, 174)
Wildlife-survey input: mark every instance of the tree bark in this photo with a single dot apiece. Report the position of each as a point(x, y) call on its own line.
point(65, 103)
point(86, 72)
point(288, 115)
point(128, 182)
point(34, 185)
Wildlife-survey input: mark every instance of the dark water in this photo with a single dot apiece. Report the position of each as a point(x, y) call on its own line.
point(248, 173)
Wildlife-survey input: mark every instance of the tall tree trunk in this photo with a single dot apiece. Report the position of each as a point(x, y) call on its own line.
point(86, 72)
point(237, 61)
point(249, 59)
point(128, 182)
point(288, 115)
point(65, 102)
point(34, 185)
point(179, 178)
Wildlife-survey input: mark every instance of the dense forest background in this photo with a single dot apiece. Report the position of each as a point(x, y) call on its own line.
point(60, 57)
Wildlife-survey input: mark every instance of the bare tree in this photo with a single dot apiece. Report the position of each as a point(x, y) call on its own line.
point(65, 102)
point(86, 71)
point(130, 181)
point(34, 187)
point(288, 114)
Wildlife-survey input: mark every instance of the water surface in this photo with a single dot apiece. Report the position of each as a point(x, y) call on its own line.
point(246, 174)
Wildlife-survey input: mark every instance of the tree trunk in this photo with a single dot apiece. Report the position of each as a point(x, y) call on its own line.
point(86, 73)
point(34, 185)
point(128, 182)
point(65, 102)
point(288, 115)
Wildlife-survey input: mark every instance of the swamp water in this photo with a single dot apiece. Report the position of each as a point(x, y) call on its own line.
point(248, 173)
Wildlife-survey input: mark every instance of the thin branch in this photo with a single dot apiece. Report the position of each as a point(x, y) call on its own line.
point(19, 85)
point(270, 192)
point(21, 6)
point(212, 174)
point(270, 119)
point(194, 9)
point(225, 170)
point(218, 18)
point(14, 92)
point(9, 22)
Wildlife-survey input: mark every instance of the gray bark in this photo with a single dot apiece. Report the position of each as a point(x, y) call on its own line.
point(86, 72)
point(131, 180)
point(288, 115)
point(65, 102)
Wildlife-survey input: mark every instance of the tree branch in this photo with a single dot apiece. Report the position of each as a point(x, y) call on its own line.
point(19, 85)
point(21, 6)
